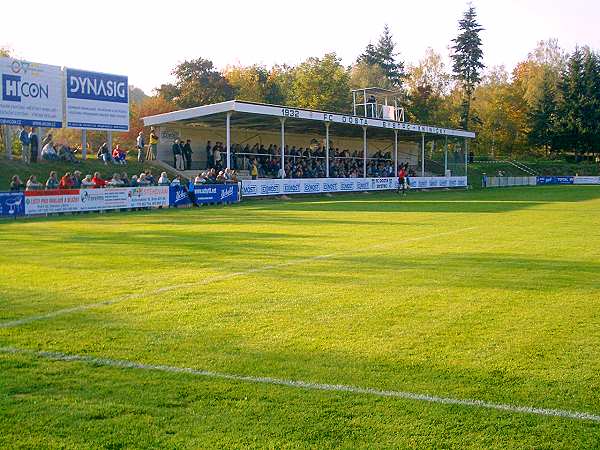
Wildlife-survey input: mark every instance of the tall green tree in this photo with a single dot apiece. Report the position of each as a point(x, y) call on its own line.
point(321, 83)
point(467, 60)
point(542, 118)
point(384, 55)
point(197, 82)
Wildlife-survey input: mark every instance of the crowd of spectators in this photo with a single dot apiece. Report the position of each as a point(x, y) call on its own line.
point(75, 180)
point(300, 162)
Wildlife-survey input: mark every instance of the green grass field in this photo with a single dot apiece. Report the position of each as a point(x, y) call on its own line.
point(491, 296)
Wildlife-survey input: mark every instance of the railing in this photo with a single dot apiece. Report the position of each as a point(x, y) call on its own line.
point(489, 182)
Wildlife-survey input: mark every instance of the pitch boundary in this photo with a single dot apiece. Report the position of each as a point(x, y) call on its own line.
point(307, 385)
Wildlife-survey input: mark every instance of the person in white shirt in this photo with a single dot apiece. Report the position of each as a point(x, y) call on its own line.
point(164, 179)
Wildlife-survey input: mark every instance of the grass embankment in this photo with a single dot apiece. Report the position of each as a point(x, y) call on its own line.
point(489, 295)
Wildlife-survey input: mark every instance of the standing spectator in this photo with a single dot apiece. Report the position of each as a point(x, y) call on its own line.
point(33, 184)
point(16, 185)
point(52, 182)
point(33, 145)
point(66, 182)
point(149, 177)
point(177, 156)
point(98, 181)
point(254, 170)
point(140, 144)
point(24, 139)
point(153, 145)
point(187, 154)
point(208, 155)
point(217, 157)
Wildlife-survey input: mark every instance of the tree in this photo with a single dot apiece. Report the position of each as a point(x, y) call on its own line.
point(467, 59)
point(197, 83)
point(248, 83)
point(4, 51)
point(384, 55)
point(363, 75)
point(428, 86)
point(280, 84)
point(542, 118)
point(321, 83)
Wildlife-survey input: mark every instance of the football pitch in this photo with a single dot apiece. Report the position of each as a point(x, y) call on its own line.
point(466, 319)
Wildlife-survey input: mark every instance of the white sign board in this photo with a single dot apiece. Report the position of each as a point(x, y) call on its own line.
point(30, 94)
point(97, 101)
point(254, 188)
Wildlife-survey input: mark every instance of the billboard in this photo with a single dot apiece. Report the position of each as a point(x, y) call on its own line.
point(30, 94)
point(97, 101)
point(253, 188)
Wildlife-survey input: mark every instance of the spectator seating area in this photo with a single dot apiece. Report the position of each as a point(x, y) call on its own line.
point(300, 162)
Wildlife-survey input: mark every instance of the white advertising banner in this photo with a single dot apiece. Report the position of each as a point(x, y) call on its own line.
point(30, 94)
point(60, 201)
point(586, 180)
point(253, 188)
point(97, 100)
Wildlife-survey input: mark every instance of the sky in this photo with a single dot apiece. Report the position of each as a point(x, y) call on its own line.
point(146, 39)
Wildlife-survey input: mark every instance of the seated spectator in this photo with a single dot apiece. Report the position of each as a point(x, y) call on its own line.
point(176, 181)
point(104, 154)
point(52, 182)
point(98, 181)
point(149, 177)
point(164, 179)
point(66, 182)
point(87, 182)
point(125, 179)
point(199, 179)
point(76, 177)
point(65, 153)
point(134, 181)
point(33, 184)
point(16, 185)
point(220, 177)
point(115, 181)
point(119, 155)
point(49, 152)
point(143, 181)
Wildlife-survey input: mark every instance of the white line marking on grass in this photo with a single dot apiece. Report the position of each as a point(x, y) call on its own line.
point(204, 281)
point(125, 364)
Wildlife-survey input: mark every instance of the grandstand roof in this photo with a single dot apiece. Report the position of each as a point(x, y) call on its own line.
point(266, 117)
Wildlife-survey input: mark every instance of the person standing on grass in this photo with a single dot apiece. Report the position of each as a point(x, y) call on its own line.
point(402, 180)
point(34, 145)
point(24, 139)
point(153, 145)
point(140, 144)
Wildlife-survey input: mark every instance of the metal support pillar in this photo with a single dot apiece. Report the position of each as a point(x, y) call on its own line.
point(282, 119)
point(395, 152)
point(228, 138)
point(327, 124)
point(83, 144)
point(446, 157)
point(466, 157)
point(364, 152)
point(422, 154)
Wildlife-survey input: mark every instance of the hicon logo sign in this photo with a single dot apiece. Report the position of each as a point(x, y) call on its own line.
point(14, 88)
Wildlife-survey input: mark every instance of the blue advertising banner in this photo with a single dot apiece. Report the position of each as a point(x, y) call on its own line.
point(555, 180)
point(12, 204)
point(204, 194)
point(217, 193)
